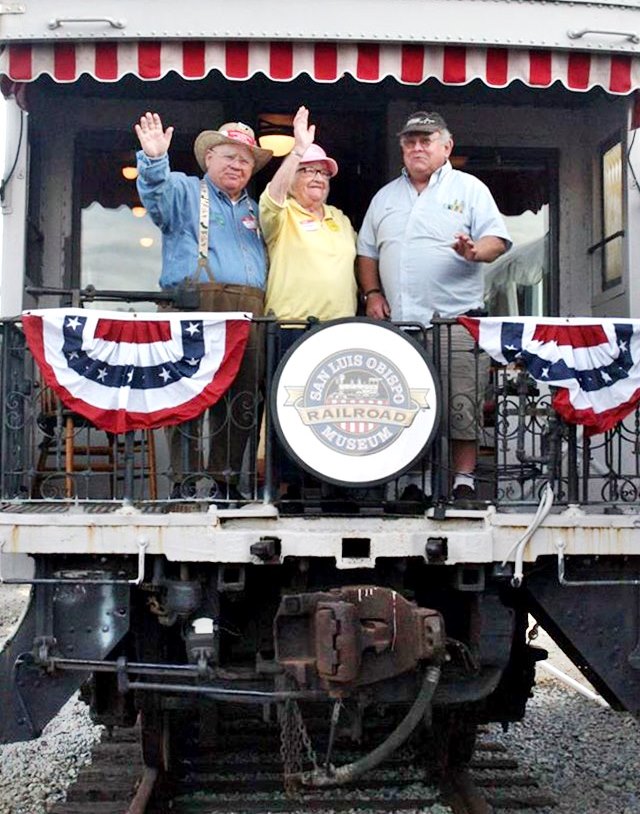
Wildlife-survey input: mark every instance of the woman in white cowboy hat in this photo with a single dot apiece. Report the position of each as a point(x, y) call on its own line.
point(311, 243)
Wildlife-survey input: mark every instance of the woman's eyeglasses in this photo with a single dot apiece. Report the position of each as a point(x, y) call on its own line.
point(313, 171)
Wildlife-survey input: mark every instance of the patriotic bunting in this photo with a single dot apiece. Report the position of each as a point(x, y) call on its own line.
point(128, 371)
point(594, 363)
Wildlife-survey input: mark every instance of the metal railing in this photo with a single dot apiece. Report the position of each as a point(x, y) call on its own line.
point(50, 456)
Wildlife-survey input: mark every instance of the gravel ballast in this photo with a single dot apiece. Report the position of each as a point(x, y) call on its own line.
point(586, 755)
point(36, 774)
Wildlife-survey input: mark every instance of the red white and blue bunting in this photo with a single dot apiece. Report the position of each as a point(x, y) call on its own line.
point(595, 363)
point(127, 371)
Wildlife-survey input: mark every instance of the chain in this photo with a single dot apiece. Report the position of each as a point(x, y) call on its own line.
point(295, 744)
point(533, 633)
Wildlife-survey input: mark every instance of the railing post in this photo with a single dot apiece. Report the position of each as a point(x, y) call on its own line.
point(437, 449)
point(586, 457)
point(127, 496)
point(3, 412)
point(268, 487)
point(15, 385)
point(572, 464)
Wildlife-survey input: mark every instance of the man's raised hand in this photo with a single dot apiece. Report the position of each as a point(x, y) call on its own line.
point(153, 139)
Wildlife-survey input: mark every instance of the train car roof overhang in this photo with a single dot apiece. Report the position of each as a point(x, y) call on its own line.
point(324, 62)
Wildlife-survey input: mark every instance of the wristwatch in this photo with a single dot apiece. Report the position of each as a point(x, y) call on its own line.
point(371, 291)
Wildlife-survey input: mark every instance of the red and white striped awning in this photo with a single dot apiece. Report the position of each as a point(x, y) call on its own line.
point(322, 61)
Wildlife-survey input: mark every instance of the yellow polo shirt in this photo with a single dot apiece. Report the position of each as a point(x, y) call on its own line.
point(311, 261)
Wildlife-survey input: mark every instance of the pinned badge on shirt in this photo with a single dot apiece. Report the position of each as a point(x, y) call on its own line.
point(332, 225)
point(249, 222)
point(310, 225)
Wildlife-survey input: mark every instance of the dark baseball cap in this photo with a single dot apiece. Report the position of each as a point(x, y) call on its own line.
point(423, 122)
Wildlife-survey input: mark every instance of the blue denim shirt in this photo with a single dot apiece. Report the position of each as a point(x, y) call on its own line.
point(236, 250)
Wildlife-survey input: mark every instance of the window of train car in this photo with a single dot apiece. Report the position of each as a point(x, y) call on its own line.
point(612, 234)
point(119, 247)
point(522, 282)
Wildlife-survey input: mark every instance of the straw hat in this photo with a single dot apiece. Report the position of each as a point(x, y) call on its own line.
point(230, 133)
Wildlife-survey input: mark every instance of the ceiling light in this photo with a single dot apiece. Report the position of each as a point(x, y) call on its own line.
point(146, 242)
point(138, 211)
point(130, 173)
point(275, 132)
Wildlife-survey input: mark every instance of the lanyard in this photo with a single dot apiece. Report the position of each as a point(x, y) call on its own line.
point(203, 233)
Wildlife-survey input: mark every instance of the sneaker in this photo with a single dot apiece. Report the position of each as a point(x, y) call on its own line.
point(464, 492)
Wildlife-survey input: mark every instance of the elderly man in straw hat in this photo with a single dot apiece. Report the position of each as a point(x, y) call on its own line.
point(226, 248)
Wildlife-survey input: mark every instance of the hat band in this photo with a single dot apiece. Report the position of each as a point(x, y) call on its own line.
point(239, 135)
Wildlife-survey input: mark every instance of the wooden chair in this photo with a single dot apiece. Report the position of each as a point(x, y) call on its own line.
point(73, 439)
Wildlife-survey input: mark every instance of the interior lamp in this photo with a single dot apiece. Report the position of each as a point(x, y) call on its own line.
point(275, 132)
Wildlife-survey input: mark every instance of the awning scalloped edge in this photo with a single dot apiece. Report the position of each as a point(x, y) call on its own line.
point(323, 61)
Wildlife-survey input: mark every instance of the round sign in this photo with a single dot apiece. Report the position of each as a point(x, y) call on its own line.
point(356, 402)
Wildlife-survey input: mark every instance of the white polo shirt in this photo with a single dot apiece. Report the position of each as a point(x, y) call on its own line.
point(411, 237)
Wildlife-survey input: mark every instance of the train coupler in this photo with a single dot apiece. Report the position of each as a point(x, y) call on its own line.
point(353, 636)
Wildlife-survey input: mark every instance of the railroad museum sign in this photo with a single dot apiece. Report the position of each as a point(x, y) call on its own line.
point(356, 402)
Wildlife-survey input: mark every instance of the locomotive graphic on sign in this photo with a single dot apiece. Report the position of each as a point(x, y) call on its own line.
point(356, 401)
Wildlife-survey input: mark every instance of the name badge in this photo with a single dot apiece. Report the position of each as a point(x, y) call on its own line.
point(249, 222)
point(310, 225)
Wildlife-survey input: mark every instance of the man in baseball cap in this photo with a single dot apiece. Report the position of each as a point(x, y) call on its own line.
point(421, 250)
point(423, 122)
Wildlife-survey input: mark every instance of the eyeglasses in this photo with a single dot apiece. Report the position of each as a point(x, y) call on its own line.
point(313, 171)
point(234, 158)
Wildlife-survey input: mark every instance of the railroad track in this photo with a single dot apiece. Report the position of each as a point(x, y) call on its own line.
point(245, 777)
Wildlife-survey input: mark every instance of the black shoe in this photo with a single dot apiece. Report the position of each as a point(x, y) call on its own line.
point(292, 492)
point(412, 500)
point(226, 496)
point(414, 494)
point(183, 490)
point(234, 494)
point(464, 492)
point(290, 501)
